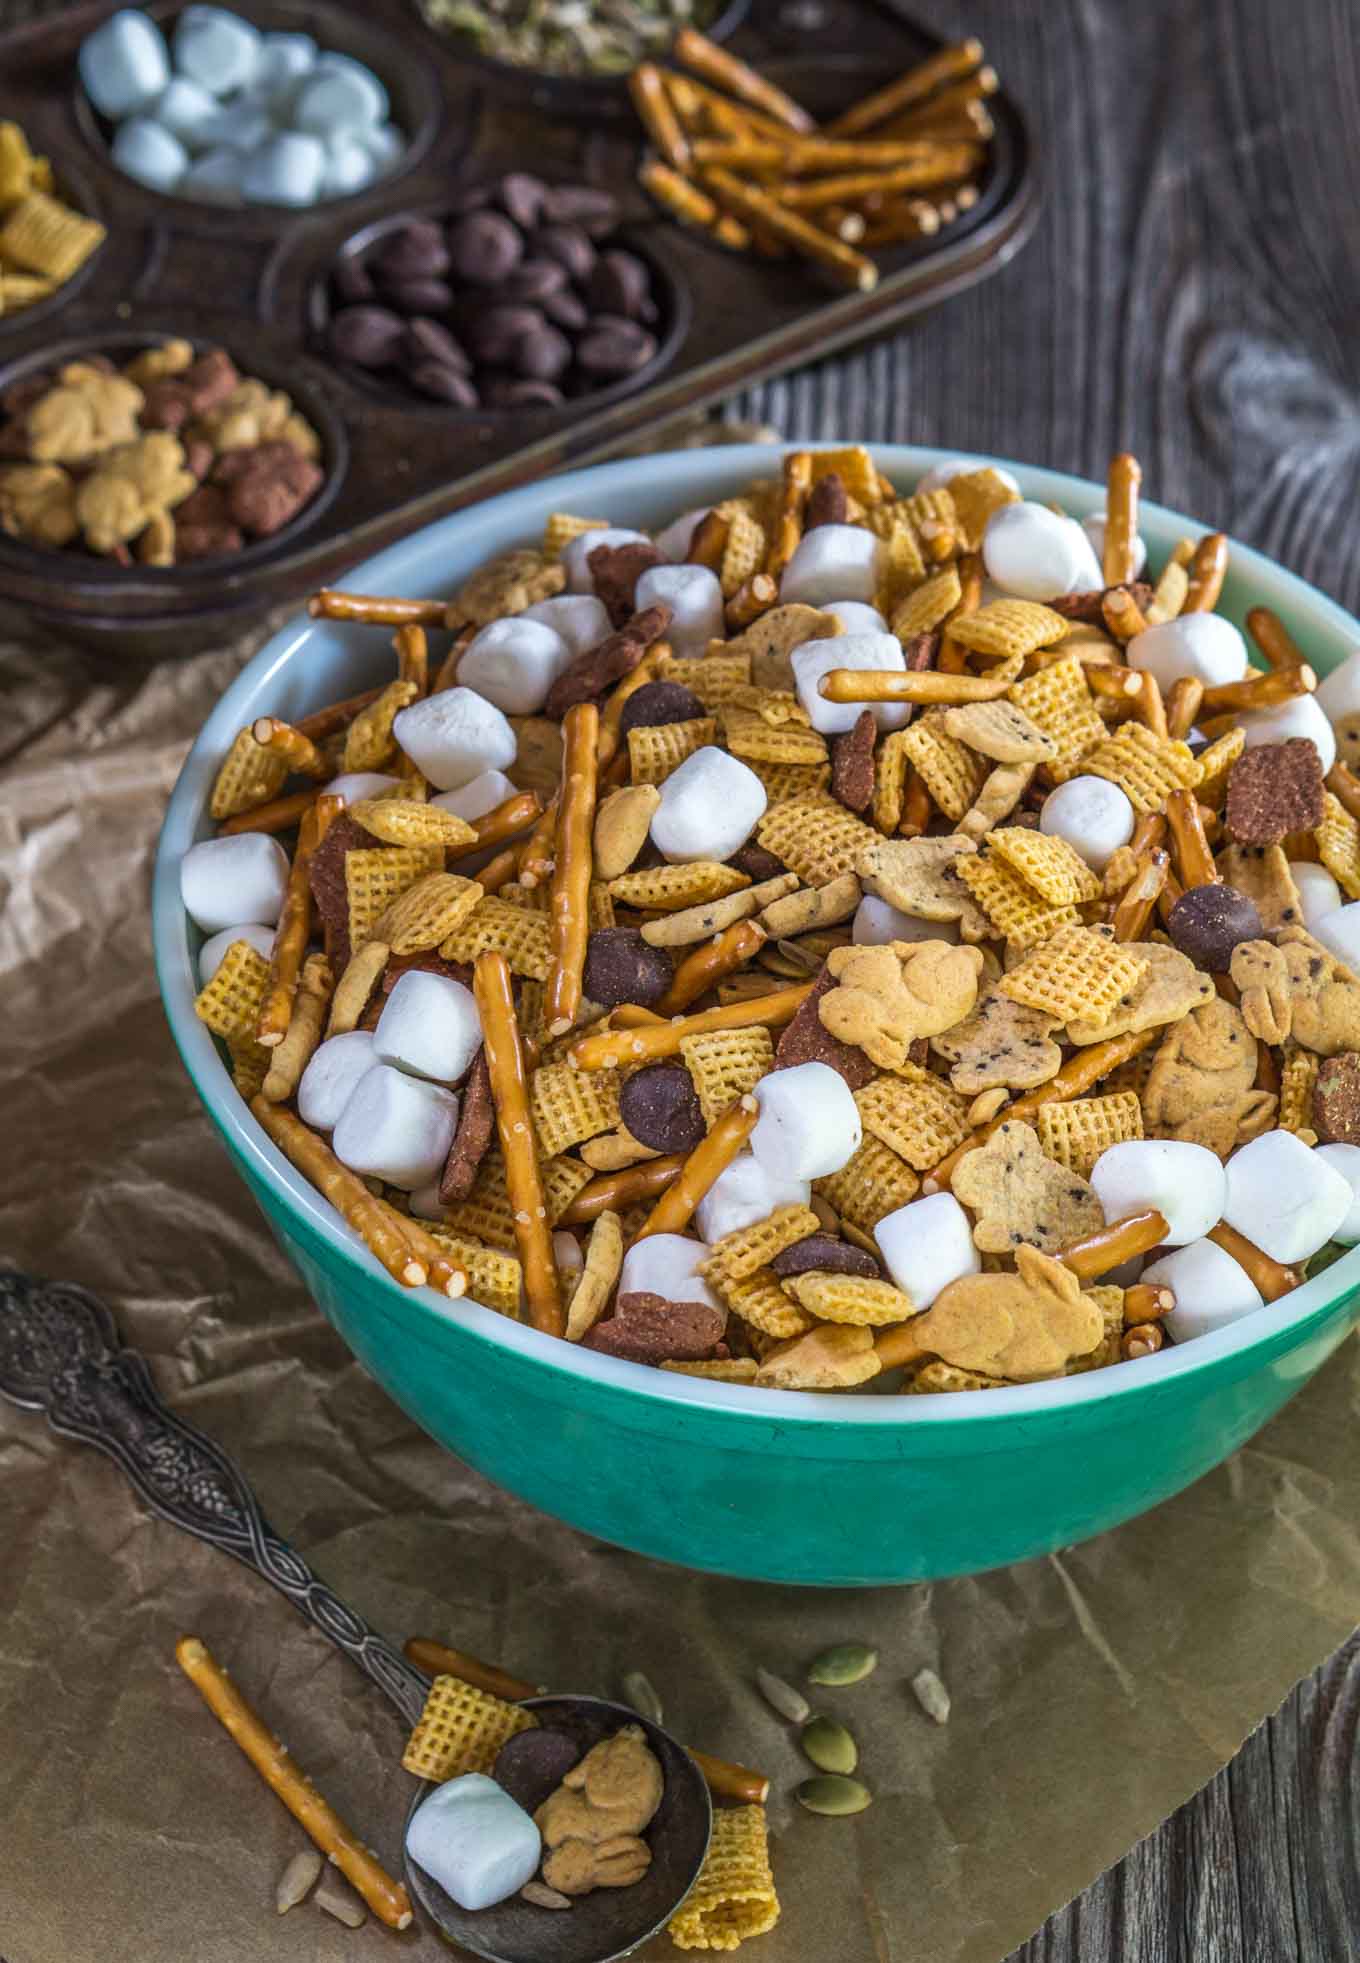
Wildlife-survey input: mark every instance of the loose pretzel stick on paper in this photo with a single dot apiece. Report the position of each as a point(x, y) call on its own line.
point(612, 1047)
point(711, 1156)
point(495, 826)
point(766, 214)
point(1271, 1277)
point(1273, 638)
point(295, 924)
point(1183, 705)
point(510, 1093)
point(915, 685)
point(344, 1189)
point(280, 815)
point(316, 986)
point(695, 51)
point(1194, 861)
point(709, 962)
point(1140, 896)
point(569, 896)
point(335, 716)
point(615, 1192)
point(657, 113)
point(1121, 518)
point(708, 542)
point(1095, 1254)
point(299, 752)
point(375, 610)
point(1208, 569)
point(915, 86)
point(285, 1778)
point(1262, 689)
point(793, 497)
point(1145, 1302)
point(413, 656)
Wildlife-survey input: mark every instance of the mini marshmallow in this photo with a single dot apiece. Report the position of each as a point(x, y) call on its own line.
point(1204, 645)
point(877, 922)
point(1284, 1198)
point(430, 1026)
point(385, 144)
point(1037, 555)
point(285, 171)
point(1094, 817)
point(216, 49)
point(695, 599)
point(1345, 1159)
point(142, 149)
point(214, 178)
point(927, 1244)
point(743, 1193)
point(856, 617)
point(1300, 716)
point(666, 1265)
point(809, 1123)
point(476, 1842)
point(832, 562)
point(1338, 694)
point(709, 807)
point(395, 1127)
point(673, 541)
point(185, 109)
point(349, 168)
point(353, 785)
point(1094, 528)
point(817, 658)
point(579, 618)
point(514, 663)
point(567, 1256)
point(943, 474)
point(1339, 933)
point(124, 64)
point(576, 554)
point(478, 796)
point(283, 61)
point(1319, 893)
point(214, 952)
point(332, 1077)
point(240, 125)
point(226, 880)
point(358, 102)
point(454, 736)
point(1211, 1289)
point(1184, 1182)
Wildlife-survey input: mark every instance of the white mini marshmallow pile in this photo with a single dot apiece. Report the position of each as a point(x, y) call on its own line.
point(228, 115)
point(477, 1842)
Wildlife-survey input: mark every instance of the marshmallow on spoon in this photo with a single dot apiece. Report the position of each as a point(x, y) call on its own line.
point(832, 562)
point(226, 880)
point(877, 922)
point(1345, 1159)
point(1211, 1289)
point(1095, 818)
point(217, 49)
point(666, 1265)
point(1300, 716)
point(214, 952)
point(142, 149)
point(514, 663)
point(709, 807)
point(817, 658)
point(1035, 554)
point(454, 736)
point(809, 1123)
point(695, 599)
point(1318, 892)
point(396, 1128)
point(332, 1077)
point(1094, 528)
point(579, 618)
point(576, 554)
point(124, 65)
point(477, 1843)
point(1186, 1183)
point(927, 1244)
point(429, 1026)
point(743, 1193)
point(1203, 645)
point(1284, 1198)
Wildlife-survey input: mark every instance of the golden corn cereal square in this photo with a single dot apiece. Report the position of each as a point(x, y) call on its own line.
point(745, 1249)
point(891, 768)
point(1170, 593)
point(949, 769)
point(533, 899)
point(749, 736)
point(230, 1004)
point(1049, 864)
point(815, 837)
point(656, 749)
point(931, 602)
point(250, 1063)
point(1215, 766)
point(1058, 702)
point(1077, 1132)
point(714, 678)
point(669, 889)
point(932, 517)
point(725, 1064)
point(851, 1298)
point(570, 1106)
point(599, 906)
point(1298, 1080)
point(493, 1276)
point(1079, 972)
point(1338, 844)
point(1147, 768)
point(901, 564)
point(249, 776)
point(486, 1214)
point(563, 1179)
point(761, 1302)
point(977, 496)
point(915, 1114)
point(774, 706)
point(875, 1180)
point(524, 938)
point(744, 552)
point(1009, 627)
point(1011, 903)
point(369, 742)
point(16, 164)
point(461, 1730)
point(563, 526)
point(855, 468)
point(411, 821)
point(786, 781)
point(45, 236)
point(722, 1370)
point(734, 1897)
point(939, 1377)
point(428, 911)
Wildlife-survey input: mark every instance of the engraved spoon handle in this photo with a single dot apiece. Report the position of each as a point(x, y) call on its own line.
point(60, 1353)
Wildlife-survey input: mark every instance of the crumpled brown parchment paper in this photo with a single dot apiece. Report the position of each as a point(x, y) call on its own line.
point(1092, 1692)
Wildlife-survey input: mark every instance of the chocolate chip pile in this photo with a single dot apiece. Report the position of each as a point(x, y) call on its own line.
point(514, 301)
point(173, 457)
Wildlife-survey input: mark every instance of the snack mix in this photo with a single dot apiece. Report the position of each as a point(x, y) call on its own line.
point(854, 930)
point(43, 242)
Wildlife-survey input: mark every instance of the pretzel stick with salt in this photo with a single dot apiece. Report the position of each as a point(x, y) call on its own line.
point(569, 894)
point(1262, 689)
point(1208, 569)
point(1120, 1240)
point(766, 214)
point(1146, 1302)
point(695, 51)
point(917, 85)
point(280, 815)
point(510, 1092)
point(708, 964)
point(295, 924)
point(1183, 705)
point(375, 609)
point(915, 685)
point(336, 715)
point(1270, 634)
point(1270, 1276)
point(413, 656)
point(503, 821)
point(615, 1192)
point(612, 1047)
point(299, 752)
point(710, 1157)
point(316, 986)
point(1121, 518)
point(657, 113)
point(1194, 860)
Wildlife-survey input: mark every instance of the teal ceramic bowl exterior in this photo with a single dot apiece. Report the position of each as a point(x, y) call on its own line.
point(829, 1491)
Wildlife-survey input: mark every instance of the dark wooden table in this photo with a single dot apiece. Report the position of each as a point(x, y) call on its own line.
point(1191, 295)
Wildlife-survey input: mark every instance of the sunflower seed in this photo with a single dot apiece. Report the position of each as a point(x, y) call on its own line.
point(833, 1794)
point(641, 1693)
point(339, 1899)
point(789, 1703)
point(843, 1663)
point(931, 1695)
point(297, 1879)
point(829, 1746)
point(542, 1896)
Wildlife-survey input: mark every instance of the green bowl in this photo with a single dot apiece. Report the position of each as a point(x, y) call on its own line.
point(830, 1491)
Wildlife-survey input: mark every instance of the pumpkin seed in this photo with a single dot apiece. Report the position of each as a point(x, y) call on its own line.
point(641, 1693)
point(830, 1746)
point(843, 1663)
point(931, 1695)
point(833, 1794)
point(789, 1703)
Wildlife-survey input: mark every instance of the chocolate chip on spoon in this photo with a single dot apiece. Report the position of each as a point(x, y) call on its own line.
point(534, 1763)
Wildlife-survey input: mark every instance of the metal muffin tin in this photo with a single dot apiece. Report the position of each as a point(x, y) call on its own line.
point(254, 281)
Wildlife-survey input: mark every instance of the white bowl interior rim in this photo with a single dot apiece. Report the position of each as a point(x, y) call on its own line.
point(431, 560)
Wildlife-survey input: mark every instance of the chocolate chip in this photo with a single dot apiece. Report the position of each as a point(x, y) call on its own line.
point(824, 1254)
point(827, 503)
point(351, 278)
point(492, 333)
point(807, 1040)
point(1336, 1099)
point(369, 337)
point(646, 1328)
point(620, 283)
point(660, 1107)
point(1209, 921)
point(430, 340)
point(419, 296)
point(543, 355)
point(656, 703)
point(613, 347)
point(570, 247)
point(1275, 790)
point(622, 967)
point(616, 570)
point(596, 211)
point(566, 309)
point(442, 383)
point(521, 197)
point(416, 249)
point(852, 763)
point(536, 279)
point(483, 247)
point(534, 1763)
point(755, 861)
point(504, 392)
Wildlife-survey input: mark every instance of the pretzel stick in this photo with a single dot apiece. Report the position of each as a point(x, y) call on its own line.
point(1272, 1278)
point(282, 1774)
point(694, 50)
point(632, 1015)
point(921, 174)
point(355, 986)
point(1122, 614)
point(344, 1189)
point(503, 821)
point(916, 807)
point(444, 1277)
point(375, 610)
point(509, 1090)
point(1139, 897)
point(602, 1052)
point(413, 656)
point(755, 596)
point(1262, 689)
point(1121, 518)
point(298, 751)
point(1145, 1302)
point(709, 962)
point(915, 86)
point(278, 816)
point(615, 1192)
point(1344, 785)
point(336, 715)
point(952, 658)
point(1095, 1254)
point(1172, 891)
point(316, 986)
point(1208, 570)
point(761, 211)
point(657, 113)
point(1194, 860)
point(782, 158)
point(702, 108)
point(793, 497)
point(611, 715)
point(899, 220)
point(1270, 634)
point(1183, 705)
point(711, 1156)
point(536, 854)
point(499, 871)
point(961, 101)
point(708, 541)
point(915, 685)
point(1143, 1339)
point(446, 675)
point(692, 206)
point(569, 897)
point(295, 925)
point(1148, 707)
point(1114, 683)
